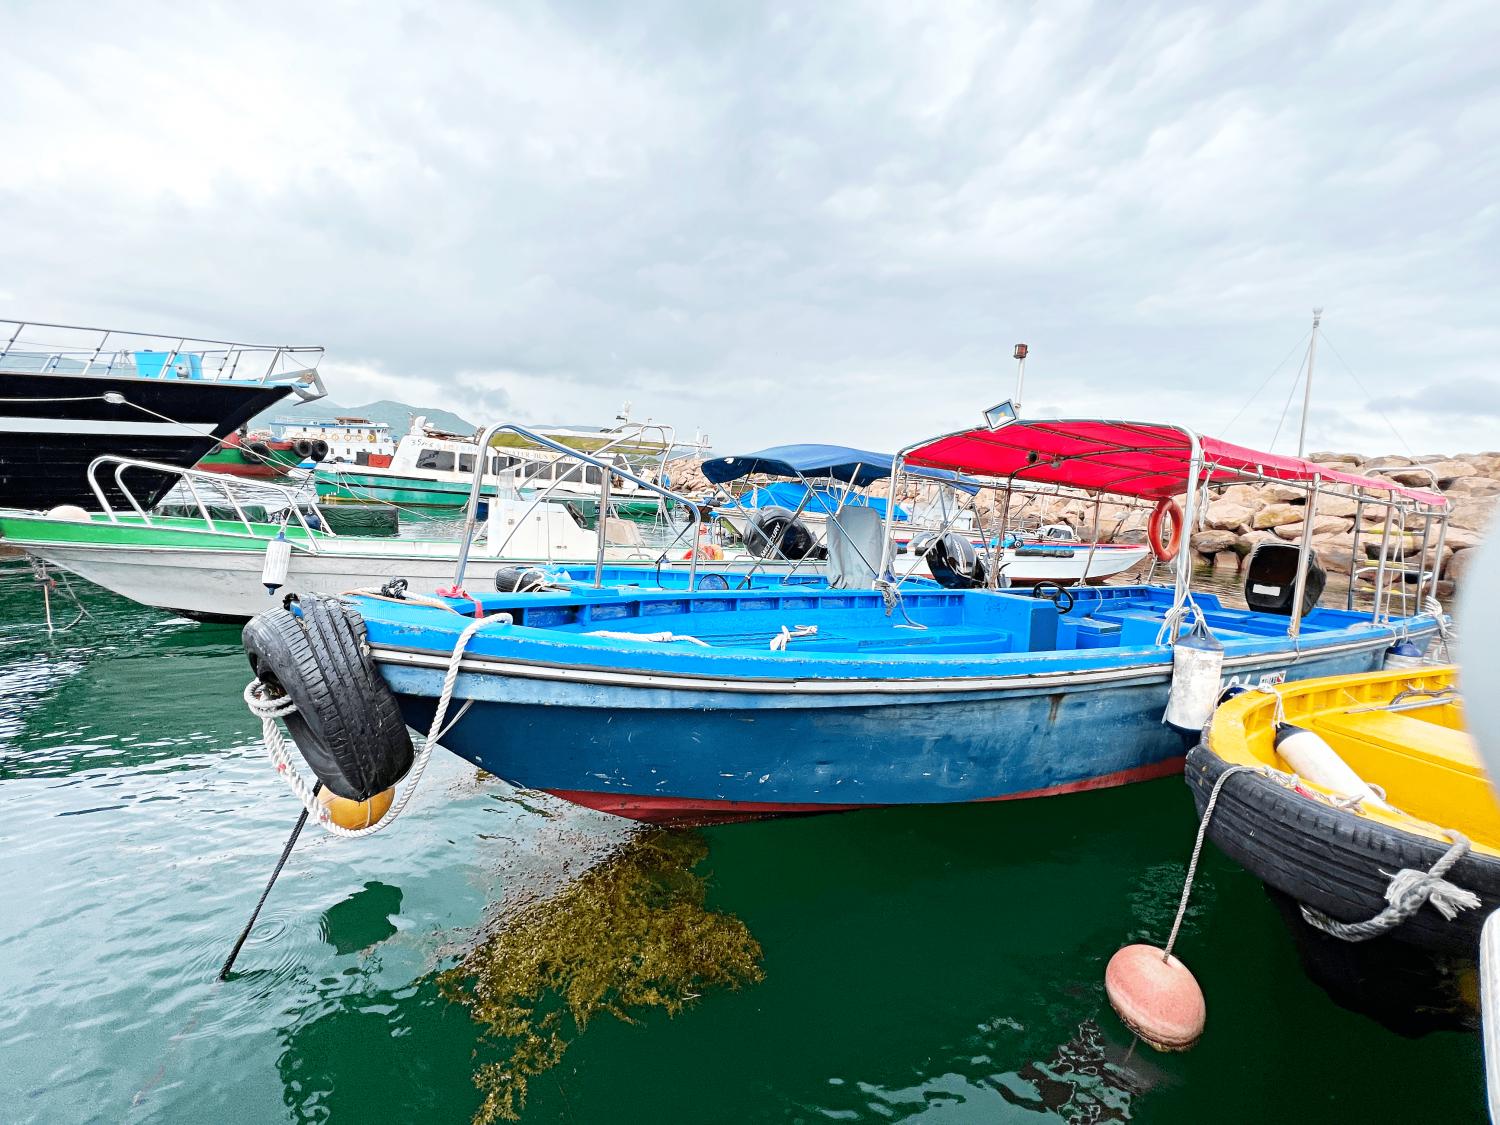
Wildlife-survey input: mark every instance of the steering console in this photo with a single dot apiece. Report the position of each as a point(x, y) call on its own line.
point(1057, 595)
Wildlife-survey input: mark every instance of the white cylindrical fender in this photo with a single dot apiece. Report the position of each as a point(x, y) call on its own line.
point(1314, 760)
point(1197, 667)
point(278, 559)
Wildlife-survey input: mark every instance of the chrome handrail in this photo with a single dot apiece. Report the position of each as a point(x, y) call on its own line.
point(188, 477)
point(471, 517)
point(116, 350)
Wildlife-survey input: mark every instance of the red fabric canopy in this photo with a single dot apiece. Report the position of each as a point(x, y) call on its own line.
point(1142, 459)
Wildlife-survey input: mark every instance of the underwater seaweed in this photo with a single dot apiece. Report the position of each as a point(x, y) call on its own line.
point(630, 933)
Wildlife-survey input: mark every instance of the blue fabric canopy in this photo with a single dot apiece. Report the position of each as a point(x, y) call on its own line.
point(858, 467)
point(826, 501)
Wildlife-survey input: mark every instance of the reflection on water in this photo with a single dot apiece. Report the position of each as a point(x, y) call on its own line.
point(631, 933)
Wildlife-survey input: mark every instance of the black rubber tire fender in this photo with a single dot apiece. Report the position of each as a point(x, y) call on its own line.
point(348, 724)
point(1334, 860)
point(302, 448)
point(319, 450)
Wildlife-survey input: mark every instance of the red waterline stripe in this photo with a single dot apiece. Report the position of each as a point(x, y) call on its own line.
point(699, 811)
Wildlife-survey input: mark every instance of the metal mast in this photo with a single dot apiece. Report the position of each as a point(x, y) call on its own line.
point(1312, 354)
point(1020, 354)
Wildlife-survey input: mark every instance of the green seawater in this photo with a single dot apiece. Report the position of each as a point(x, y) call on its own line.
point(941, 965)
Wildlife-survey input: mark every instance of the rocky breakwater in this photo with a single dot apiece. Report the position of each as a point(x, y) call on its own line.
point(1243, 515)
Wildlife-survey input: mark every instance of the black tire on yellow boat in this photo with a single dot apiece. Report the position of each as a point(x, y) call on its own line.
point(1335, 860)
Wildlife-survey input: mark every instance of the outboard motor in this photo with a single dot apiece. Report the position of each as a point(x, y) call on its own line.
point(953, 561)
point(776, 533)
point(522, 580)
point(1271, 579)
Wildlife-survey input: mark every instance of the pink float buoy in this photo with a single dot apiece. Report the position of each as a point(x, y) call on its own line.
point(1156, 996)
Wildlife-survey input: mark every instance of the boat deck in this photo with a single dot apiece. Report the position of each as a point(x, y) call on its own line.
point(933, 626)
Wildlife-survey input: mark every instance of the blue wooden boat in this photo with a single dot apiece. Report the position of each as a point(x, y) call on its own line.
point(697, 705)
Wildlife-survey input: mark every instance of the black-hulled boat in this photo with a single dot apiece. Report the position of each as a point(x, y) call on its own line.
point(69, 395)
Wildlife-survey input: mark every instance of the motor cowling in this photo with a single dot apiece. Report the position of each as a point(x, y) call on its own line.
point(522, 580)
point(952, 560)
point(347, 723)
point(776, 533)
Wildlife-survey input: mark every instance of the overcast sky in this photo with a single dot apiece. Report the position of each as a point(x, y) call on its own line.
point(785, 222)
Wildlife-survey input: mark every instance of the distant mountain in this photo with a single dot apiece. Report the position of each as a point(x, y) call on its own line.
point(396, 415)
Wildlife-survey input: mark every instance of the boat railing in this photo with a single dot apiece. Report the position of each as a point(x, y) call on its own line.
point(1197, 485)
point(471, 518)
point(35, 347)
point(191, 479)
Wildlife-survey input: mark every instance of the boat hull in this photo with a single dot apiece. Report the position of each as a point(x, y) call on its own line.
point(698, 752)
point(1335, 860)
point(46, 445)
point(215, 576)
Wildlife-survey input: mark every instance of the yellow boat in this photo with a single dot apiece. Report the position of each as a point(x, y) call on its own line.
point(1341, 795)
point(1405, 775)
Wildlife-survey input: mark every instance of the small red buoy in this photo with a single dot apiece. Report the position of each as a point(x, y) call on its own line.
point(1156, 996)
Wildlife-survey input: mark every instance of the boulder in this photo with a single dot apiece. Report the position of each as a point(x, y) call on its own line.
point(1459, 563)
point(1212, 542)
point(1242, 494)
point(1486, 464)
point(1275, 515)
point(1384, 463)
point(1459, 538)
point(1473, 513)
point(1227, 560)
point(1449, 470)
point(1248, 541)
point(1321, 525)
point(1336, 458)
point(1334, 552)
point(1474, 486)
point(1335, 505)
point(1280, 494)
point(1419, 476)
point(1229, 515)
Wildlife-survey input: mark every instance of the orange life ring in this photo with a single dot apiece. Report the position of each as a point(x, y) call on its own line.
point(707, 552)
point(1165, 551)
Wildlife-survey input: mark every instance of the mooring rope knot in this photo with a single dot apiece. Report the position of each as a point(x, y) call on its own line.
point(1406, 892)
point(269, 705)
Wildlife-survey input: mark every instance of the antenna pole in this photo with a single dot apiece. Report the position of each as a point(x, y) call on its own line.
point(1312, 354)
point(1020, 355)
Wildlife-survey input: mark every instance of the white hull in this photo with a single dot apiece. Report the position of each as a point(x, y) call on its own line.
point(225, 584)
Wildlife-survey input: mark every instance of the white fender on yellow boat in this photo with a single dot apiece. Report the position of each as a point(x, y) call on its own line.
point(1314, 760)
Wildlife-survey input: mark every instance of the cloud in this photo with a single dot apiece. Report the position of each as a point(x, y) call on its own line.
point(828, 222)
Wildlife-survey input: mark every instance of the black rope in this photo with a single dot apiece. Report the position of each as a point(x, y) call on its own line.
point(265, 894)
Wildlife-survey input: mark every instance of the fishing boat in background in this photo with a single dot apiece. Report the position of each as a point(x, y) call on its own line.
point(708, 705)
point(811, 485)
point(73, 394)
point(261, 457)
point(1326, 789)
point(347, 439)
point(432, 469)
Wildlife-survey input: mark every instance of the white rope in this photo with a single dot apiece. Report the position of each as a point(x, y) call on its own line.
point(1444, 625)
point(1176, 617)
point(269, 709)
point(1405, 894)
point(1192, 870)
point(786, 636)
point(660, 638)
